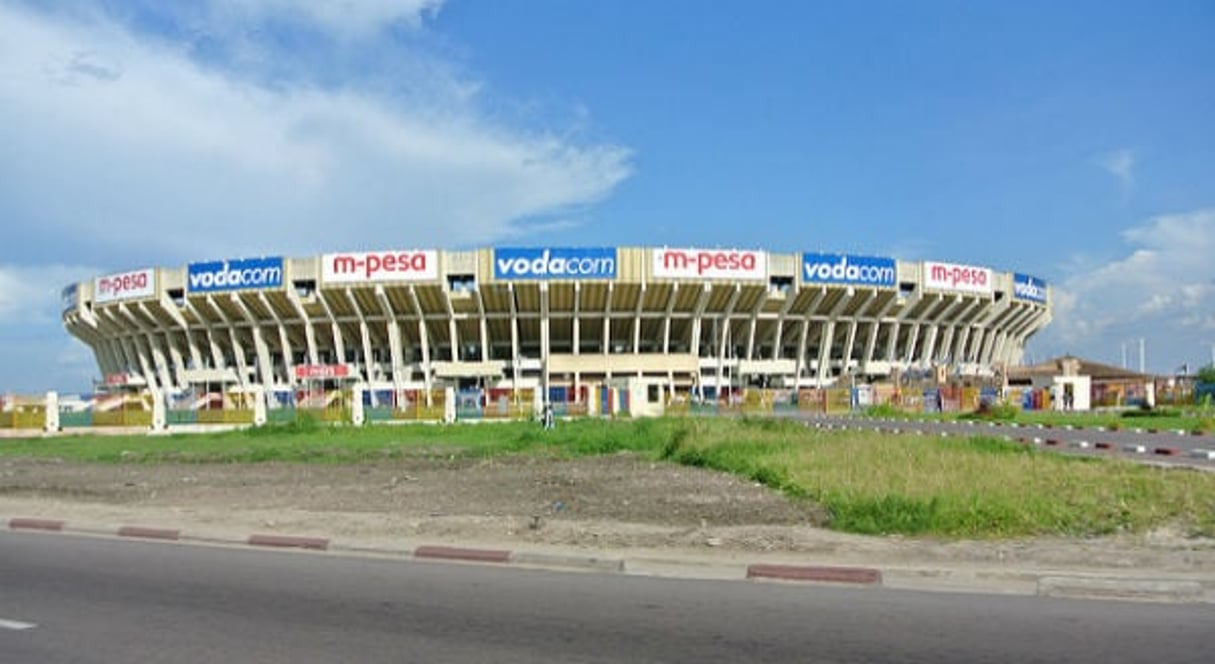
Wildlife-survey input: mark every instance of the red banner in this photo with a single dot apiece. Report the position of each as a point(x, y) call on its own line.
point(321, 371)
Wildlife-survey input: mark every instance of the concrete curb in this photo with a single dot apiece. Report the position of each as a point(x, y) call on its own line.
point(149, 533)
point(827, 574)
point(564, 561)
point(462, 554)
point(1128, 586)
point(289, 542)
point(1144, 590)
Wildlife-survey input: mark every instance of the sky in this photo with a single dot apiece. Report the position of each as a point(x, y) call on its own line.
point(1070, 141)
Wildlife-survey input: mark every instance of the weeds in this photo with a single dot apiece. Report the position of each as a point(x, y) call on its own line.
point(866, 482)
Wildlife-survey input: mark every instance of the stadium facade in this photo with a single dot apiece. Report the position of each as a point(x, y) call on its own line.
point(690, 321)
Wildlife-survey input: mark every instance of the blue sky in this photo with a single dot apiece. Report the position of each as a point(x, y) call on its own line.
point(1072, 141)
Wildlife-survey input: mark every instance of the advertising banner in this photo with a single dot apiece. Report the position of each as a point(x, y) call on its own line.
point(555, 263)
point(379, 266)
point(67, 297)
point(321, 371)
point(230, 275)
point(124, 286)
point(1029, 288)
point(726, 264)
point(957, 278)
point(848, 269)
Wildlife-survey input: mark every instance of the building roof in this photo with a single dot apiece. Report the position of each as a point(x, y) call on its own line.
point(1094, 370)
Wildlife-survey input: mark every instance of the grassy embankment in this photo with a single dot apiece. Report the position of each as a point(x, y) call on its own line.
point(868, 483)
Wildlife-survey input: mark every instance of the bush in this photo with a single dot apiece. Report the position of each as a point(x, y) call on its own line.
point(1002, 411)
point(883, 410)
point(1148, 411)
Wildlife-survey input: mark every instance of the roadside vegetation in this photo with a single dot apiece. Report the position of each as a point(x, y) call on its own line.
point(1193, 419)
point(866, 482)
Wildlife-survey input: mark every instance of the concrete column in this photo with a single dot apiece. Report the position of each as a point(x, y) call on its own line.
point(357, 415)
point(159, 421)
point(259, 405)
point(51, 424)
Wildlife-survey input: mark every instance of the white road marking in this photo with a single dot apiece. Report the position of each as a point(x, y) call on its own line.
point(15, 624)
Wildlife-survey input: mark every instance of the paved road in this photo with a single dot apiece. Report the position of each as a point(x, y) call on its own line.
point(98, 600)
point(1135, 445)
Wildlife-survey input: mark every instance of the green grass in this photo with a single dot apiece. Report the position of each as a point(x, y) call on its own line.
point(981, 487)
point(1165, 419)
point(313, 443)
point(865, 482)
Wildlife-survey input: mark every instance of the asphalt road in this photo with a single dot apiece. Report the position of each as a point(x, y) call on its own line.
point(79, 599)
point(1142, 445)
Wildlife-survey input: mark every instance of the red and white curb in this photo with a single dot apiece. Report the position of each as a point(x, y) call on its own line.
point(1166, 588)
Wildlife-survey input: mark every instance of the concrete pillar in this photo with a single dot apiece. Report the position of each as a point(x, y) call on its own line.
point(259, 406)
point(449, 405)
point(357, 416)
point(159, 421)
point(52, 412)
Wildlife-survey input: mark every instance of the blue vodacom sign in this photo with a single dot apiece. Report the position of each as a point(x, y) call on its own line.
point(848, 269)
point(67, 297)
point(235, 274)
point(1029, 288)
point(555, 263)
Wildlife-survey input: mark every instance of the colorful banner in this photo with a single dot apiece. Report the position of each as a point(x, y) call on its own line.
point(321, 371)
point(230, 275)
point(124, 286)
point(958, 278)
point(555, 263)
point(1029, 288)
point(379, 266)
point(848, 269)
point(725, 264)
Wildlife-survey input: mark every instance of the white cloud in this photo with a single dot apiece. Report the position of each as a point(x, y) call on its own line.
point(130, 147)
point(126, 143)
point(1121, 165)
point(1163, 290)
point(30, 295)
point(350, 18)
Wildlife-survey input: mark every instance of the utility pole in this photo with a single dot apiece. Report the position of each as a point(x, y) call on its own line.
point(1143, 353)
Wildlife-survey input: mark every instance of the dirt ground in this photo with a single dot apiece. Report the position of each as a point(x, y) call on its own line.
point(613, 503)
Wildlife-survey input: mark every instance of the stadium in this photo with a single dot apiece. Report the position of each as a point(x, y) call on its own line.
point(500, 330)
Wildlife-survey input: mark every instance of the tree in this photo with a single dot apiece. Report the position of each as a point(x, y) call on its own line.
point(1207, 374)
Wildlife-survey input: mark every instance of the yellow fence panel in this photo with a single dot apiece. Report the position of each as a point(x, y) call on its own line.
point(839, 400)
point(225, 416)
point(24, 417)
point(123, 418)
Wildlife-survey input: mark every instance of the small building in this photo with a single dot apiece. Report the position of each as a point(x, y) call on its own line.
point(1075, 383)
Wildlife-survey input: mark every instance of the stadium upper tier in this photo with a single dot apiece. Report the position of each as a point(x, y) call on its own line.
point(534, 317)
